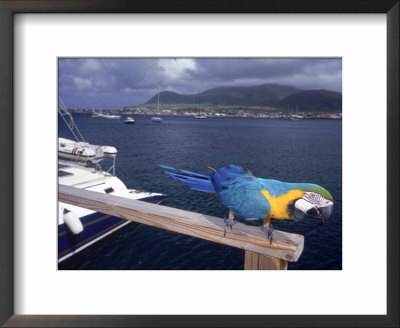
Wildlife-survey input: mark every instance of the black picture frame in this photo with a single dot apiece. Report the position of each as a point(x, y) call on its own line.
point(10, 7)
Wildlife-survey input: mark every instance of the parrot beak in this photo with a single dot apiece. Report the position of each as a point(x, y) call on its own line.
point(326, 213)
point(322, 212)
point(321, 209)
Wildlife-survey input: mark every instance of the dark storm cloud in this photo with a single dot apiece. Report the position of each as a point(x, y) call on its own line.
point(115, 83)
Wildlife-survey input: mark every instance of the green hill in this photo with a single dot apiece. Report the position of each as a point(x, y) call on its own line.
point(259, 95)
point(266, 95)
point(313, 101)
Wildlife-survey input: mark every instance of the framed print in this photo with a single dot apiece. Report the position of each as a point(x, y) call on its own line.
point(49, 53)
point(219, 129)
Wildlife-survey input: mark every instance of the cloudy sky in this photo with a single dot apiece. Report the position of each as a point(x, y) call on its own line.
point(117, 82)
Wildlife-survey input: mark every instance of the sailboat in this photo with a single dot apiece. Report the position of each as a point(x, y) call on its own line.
point(296, 117)
point(109, 116)
point(200, 115)
point(157, 118)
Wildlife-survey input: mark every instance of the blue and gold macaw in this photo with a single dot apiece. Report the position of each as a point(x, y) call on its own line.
point(249, 197)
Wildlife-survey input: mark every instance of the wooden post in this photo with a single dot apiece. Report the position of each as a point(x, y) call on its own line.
point(260, 254)
point(257, 261)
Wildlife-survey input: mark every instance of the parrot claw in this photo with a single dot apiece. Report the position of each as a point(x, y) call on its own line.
point(268, 232)
point(229, 222)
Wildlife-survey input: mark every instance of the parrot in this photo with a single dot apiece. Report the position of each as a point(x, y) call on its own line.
point(251, 198)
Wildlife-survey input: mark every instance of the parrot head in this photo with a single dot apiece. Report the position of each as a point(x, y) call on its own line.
point(315, 205)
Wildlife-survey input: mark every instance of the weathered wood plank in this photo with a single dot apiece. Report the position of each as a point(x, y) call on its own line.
point(286, 246)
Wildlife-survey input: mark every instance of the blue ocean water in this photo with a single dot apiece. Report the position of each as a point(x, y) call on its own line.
point(292, 151)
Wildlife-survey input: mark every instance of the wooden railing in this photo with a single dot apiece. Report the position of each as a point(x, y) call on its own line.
point(259, 253)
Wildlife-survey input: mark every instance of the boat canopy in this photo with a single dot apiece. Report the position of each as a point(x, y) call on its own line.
point(84, 150)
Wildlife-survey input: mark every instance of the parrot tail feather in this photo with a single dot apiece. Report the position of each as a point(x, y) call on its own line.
point(166, 167)
point(183, 171)
point(194, 174)
point(194, 180)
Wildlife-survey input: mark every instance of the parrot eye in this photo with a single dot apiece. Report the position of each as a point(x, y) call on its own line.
point(315, 199)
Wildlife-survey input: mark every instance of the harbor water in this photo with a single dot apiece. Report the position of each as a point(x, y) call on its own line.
point(292, 151)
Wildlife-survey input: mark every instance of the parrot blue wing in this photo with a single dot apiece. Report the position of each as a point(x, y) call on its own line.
point(244, 198)
point(239, 190)
point(225, 176)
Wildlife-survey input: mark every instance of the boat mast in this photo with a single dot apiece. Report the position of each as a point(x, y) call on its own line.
point(158, 101)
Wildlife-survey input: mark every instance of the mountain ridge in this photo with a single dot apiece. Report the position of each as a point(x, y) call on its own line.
point(309, 100)
point(274, 96)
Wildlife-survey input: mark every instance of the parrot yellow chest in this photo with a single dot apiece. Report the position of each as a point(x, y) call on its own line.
point(279, 204)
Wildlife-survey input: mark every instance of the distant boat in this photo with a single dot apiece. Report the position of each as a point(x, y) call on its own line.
point(294, 117)
point(129, 120)
point(111, 117)
point(157, 119)
point(201, 116)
